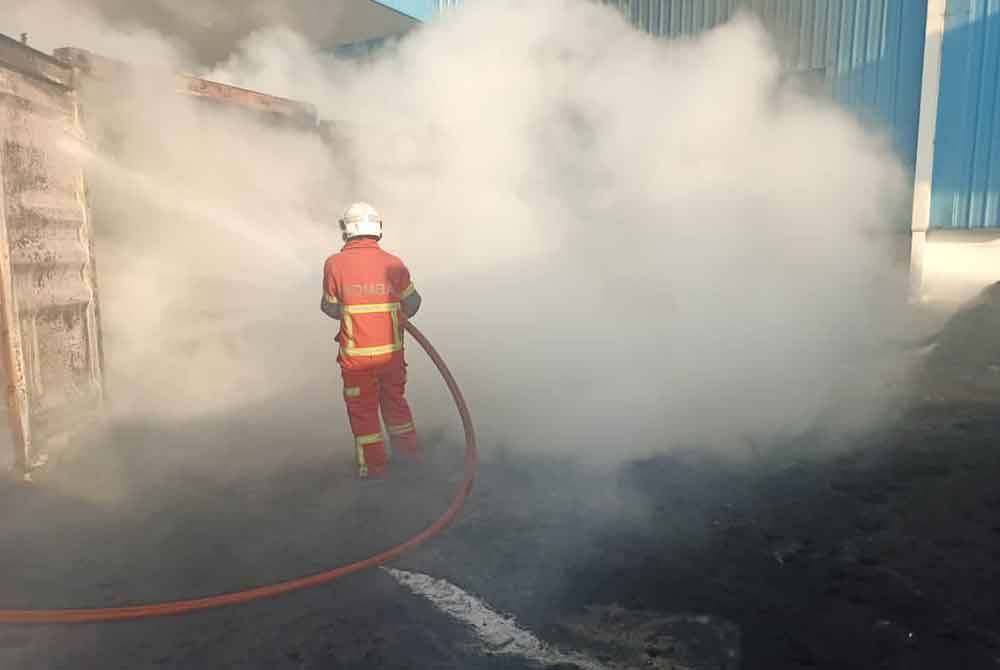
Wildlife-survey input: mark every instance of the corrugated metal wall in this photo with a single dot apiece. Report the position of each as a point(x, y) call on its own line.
point(966, 191)
point(51, 335)
point(869, 52)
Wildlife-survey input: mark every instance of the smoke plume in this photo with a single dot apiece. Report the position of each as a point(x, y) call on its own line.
point(623, 243)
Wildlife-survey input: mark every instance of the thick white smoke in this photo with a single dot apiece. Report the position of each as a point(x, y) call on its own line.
point(623, 243)
point(50, 24)
point(631, 242)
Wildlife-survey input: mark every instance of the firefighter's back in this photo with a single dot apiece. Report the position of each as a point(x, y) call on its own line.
point(370, 285)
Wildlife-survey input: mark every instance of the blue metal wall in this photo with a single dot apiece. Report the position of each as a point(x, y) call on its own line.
point(868, 52)
point(966, 188)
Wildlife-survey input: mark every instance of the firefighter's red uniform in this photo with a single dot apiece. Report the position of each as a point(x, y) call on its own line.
point(369, 285)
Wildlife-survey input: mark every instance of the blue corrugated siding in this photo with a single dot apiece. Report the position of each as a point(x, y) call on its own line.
point(966, 190)
point(869, 52)
point(675, 18)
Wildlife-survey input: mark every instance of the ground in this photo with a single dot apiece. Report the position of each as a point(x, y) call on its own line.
point(881, 556)
point(878, 552)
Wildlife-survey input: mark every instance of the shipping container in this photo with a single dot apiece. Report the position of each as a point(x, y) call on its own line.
point(51, 324)
point(52, 348)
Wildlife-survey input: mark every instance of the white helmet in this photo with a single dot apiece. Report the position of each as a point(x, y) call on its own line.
point(361, 219)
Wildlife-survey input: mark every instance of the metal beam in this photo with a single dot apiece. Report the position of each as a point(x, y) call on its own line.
point(421, 10)
point(927, 129)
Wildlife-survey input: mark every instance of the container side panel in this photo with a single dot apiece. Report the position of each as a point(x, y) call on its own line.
point(47, 251)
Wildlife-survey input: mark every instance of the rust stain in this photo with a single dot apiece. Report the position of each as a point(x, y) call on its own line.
point(293, 109)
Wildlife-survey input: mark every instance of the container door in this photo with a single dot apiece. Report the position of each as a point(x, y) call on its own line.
point(51, 335)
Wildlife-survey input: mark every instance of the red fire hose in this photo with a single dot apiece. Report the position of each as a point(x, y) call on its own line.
point(185, 606)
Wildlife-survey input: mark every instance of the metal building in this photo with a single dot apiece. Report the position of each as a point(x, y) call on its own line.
point(926, 71)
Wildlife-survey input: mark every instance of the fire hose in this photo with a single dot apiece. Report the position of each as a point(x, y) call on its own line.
point(98, 614)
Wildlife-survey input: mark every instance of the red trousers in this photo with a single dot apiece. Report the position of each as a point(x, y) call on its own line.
point(367, 391)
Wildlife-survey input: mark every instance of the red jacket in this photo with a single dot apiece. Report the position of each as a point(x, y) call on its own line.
point(368, 284)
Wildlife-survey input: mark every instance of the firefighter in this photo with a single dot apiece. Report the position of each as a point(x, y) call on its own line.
point(369, 291)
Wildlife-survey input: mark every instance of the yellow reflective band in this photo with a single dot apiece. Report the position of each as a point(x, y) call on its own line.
point(352, 392)
point(332, 299)
point(372, 309)
point(360, 442)
point(365, 440)
point(350, 347)
point(348, 328)
point(397, 334)
point(372, 351)
point(401, 429)
point(362, 465)
point(410, 290)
